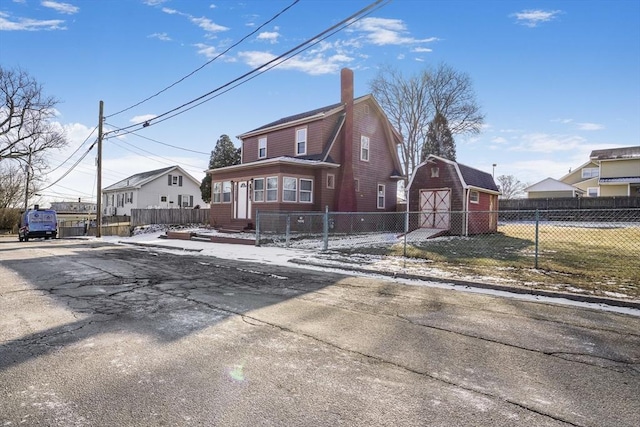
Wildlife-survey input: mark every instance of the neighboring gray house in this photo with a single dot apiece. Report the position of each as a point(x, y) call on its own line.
point(169, 187)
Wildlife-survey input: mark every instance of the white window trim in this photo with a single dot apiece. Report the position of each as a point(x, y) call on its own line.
point(384, 198)
point(331, 177)
point(286, 190)
point(365, 140)
point(230, 192)
point(267, 189)
point(306, 141)
point(471, 192)
point(597, 172)
point(593, 188)
point(260, 147)
point(264, 190)
point(301, 191)
point(214, 192)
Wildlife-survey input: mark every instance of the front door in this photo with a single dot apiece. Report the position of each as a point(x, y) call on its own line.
point(242, 210)
point(434, 205)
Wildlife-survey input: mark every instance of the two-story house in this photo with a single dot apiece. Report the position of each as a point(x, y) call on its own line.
point(169, 187)
point(342, 157)
point(608, 173)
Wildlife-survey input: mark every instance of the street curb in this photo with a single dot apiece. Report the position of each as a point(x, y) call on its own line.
point(521, 291)
point(154, 245)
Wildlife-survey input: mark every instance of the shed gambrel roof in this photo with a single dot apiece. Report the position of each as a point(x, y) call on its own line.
point(616, 153)
point(469, 177)
point(142, 178)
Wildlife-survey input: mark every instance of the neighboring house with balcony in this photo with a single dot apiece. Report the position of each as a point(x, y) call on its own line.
point(342, 157)
point(613, 172)
point(170, 187)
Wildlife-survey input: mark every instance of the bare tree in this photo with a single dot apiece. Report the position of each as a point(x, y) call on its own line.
point(26, 128)
point(412, 103)
point(12, 181)
point(510, 187)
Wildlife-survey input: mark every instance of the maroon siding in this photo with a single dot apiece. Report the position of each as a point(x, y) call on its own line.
point(479, 220)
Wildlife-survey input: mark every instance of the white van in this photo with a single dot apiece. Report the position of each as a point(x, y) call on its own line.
point(38, 223)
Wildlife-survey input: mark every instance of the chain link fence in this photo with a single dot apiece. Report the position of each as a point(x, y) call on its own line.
point(598, 249)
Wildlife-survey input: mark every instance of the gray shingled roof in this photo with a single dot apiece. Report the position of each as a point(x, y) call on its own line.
point(301, 116)
point(477, 178)
point(616, 153)
point(135, 180)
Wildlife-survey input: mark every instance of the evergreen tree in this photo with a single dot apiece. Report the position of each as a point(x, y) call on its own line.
point(224, 154)
point(439, 140)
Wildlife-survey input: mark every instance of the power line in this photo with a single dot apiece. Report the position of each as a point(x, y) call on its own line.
point(171, 162)
point(354, 17)
point(72, 167)
point(73, 154)
point(208, 62)
point(164, 143)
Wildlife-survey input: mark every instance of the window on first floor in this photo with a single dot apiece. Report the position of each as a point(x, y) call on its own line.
point(306, 190)
point(356, 184)
point(331, 181)
point(226, 191)
point(474, 196)
point(258, 189)
point(163, 199)
point(381, 193)
point(217, 192)
point(593, 191)
point(289, 189)
point(185, 200)
point(272, 189)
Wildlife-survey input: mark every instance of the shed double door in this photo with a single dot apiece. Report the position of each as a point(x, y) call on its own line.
point(434, 207)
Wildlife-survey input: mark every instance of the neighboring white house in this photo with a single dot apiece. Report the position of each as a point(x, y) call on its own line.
point(550, 188)
point(169, 187)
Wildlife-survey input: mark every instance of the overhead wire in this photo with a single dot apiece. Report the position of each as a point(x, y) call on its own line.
point(208, 62)
point(164, 143)
point(171, 162)
point(311, 41)
point(73, 154)
point(72, 167)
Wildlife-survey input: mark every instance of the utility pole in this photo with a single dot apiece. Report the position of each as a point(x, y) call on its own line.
point(99, 200)
point(27, 169)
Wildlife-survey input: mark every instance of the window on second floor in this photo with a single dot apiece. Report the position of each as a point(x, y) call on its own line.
point(331, 181)
point(364, 148)
point(301, 141)
point(590, 173)
point(262, 148)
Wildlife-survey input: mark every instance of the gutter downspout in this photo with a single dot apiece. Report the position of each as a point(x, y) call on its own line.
point(466, 212)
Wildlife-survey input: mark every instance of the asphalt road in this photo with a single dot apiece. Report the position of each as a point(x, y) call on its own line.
point(93, 334)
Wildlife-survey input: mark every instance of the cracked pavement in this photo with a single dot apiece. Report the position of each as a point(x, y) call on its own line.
point(93, 334)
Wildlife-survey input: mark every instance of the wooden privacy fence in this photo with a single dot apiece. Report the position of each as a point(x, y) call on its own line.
point(169, 216)
point(559, 203)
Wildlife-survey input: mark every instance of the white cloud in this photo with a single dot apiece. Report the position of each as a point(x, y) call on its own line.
point(142, 118)
point(270, 36)
point(65, 8)
point(25, 24)
point(590, 126)
point(160, 36)
point(170, 11)
point(499, 140)
point(208, 25)
point(383, 31)
point(212, 6)
point(421, 50)
point(206, 50)
point(531, 18)
point(154, 2)
point(313, 65)
point(545, 143)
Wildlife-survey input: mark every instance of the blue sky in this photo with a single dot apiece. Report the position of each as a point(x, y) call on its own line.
point(555, 79)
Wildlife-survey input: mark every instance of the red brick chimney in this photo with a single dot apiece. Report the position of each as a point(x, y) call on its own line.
point(346, 201)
